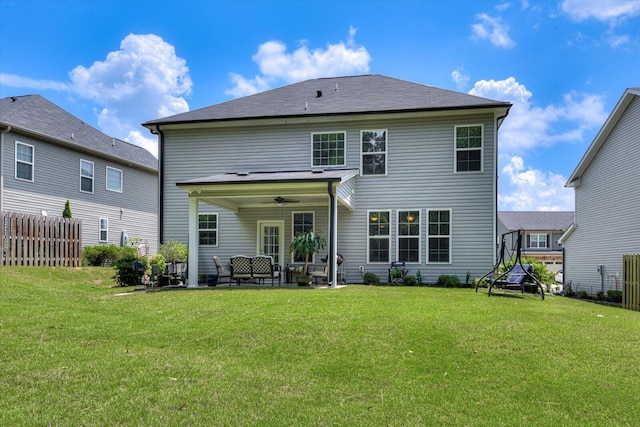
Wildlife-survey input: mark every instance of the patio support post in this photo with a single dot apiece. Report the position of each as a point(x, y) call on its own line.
point(333, 238)
point(192, 281)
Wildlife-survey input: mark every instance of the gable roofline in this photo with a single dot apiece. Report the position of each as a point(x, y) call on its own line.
point(609, 124)
point(335, 96)
point(36, 117)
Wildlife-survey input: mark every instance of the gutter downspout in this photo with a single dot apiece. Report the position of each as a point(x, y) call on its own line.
point(333, 251)
point(160, 182)
point(499, 121)
point(2, 132)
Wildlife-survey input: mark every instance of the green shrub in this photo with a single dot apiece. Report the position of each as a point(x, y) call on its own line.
point(600, 296)
point(370, 278)
point(419, 277)
point(614, 296)
point(540, 270)
point(448, 281)
point(159, 261)
point(410, 280)
point(126, 272)
point(174, 251)
point(102, 255)
point(583, 294)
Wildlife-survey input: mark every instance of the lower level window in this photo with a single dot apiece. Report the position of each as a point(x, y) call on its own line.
point(208, 229)
point(409, 236)
point(439, 236)
point(104, 230)
point(378, 236)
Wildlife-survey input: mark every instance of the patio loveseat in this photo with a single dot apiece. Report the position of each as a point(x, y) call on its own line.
point(259, 267)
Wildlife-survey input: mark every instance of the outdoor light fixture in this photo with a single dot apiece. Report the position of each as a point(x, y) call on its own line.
point(43, 212)
point(373, 218)
point(411, 217)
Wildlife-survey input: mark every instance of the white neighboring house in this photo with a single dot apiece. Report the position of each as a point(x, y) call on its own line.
point(607, 194)
point(49, 156)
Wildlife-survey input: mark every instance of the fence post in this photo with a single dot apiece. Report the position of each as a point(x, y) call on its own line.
point(631, 282)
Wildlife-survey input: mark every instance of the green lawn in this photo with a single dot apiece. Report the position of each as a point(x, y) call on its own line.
point(72, 352)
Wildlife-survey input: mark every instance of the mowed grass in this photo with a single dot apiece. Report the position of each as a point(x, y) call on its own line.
point(72, 352)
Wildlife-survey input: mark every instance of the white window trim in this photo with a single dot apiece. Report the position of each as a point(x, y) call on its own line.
point(343, 132)
point(106, 180)
point(93, 181)
point(385, 152)
point(100, 230)
point(389, 237)
point(455, 148)
point(419, 236)
point(313, 214)
point(217, 229)
point(437, 236)
point(32, 163)
point(546, 241)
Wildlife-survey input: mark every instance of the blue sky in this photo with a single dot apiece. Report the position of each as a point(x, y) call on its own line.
point(115, 64)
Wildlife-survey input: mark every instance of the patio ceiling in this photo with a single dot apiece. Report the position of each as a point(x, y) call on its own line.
point(261, 189)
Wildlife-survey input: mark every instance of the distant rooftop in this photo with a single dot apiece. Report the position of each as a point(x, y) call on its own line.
point(536, 220)
point(34, 114)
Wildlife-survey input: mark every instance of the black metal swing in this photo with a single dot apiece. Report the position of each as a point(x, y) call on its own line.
point(519, 276)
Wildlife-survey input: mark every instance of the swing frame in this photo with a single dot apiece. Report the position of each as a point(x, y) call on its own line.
point(504, 280)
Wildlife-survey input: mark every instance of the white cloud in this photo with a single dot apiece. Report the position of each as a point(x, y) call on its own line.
point(526, 189)
point(494, 30)
point(529, 126)
point(278, 66)
point(143, 80)
point(461, 79)
point(606, 11)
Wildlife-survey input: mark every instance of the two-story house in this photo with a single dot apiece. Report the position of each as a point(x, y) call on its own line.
point(607, 186)
point(49, 156)
point(386, 169)
point(541, 231)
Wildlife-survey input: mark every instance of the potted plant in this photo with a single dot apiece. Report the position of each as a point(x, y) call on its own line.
point(304, 245)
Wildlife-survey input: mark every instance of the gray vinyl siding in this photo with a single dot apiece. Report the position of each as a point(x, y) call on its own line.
point(420, 175)
point(607, 209)
point(57, 179)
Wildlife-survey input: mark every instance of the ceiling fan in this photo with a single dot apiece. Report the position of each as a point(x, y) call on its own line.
point(280, 200)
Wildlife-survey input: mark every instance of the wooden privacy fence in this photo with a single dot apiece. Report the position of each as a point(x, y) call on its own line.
point(631, 282)
point(40, 240)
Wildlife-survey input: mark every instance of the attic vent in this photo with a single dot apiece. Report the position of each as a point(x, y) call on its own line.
point(242, 173)
point(72, 135)
point(336, 87)
point(318, 93)
point(113, 142)
point(306, 106)
point(317, 170)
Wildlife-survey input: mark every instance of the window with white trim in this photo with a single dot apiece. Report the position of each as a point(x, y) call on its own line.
point(378, 236)
point(468, 148)
point(104, 230)
point(328, 149)
point(301, 223)
point(24, 161)
point(409, 236)
point(114, 179)
point(439, 236)
point(537, 241)
point(373, 144)
point(86, 176)
point(208, 229)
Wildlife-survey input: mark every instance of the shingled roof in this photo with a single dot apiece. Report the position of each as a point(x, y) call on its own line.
point(536, 220)
point(36, 116)
point(332, 96)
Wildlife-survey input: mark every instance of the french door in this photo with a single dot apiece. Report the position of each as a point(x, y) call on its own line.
point(271, 240)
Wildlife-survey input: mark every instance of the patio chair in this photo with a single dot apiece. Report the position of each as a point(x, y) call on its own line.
point(262, 268)
point(221, 270)
point(240, 268)
point(323, 274)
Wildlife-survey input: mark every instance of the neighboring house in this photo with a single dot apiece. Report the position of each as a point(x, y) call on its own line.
point(386, 169)
point(540, 233)
point(48, 156)
point(607, 188)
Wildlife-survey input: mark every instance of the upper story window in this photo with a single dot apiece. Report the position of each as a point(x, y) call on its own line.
point(328, 149)
point(24, 161)
point(439, 236)
point(537, 241)
point(468, 148)
point(114, 179)
point(208, 229)
point(373, 144)
point(86, 176)
point(302, 222)
point(409, 236)
point(104, 230)
point(378, 236)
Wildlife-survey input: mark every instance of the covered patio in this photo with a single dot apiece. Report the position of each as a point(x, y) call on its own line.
point(237, 190)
